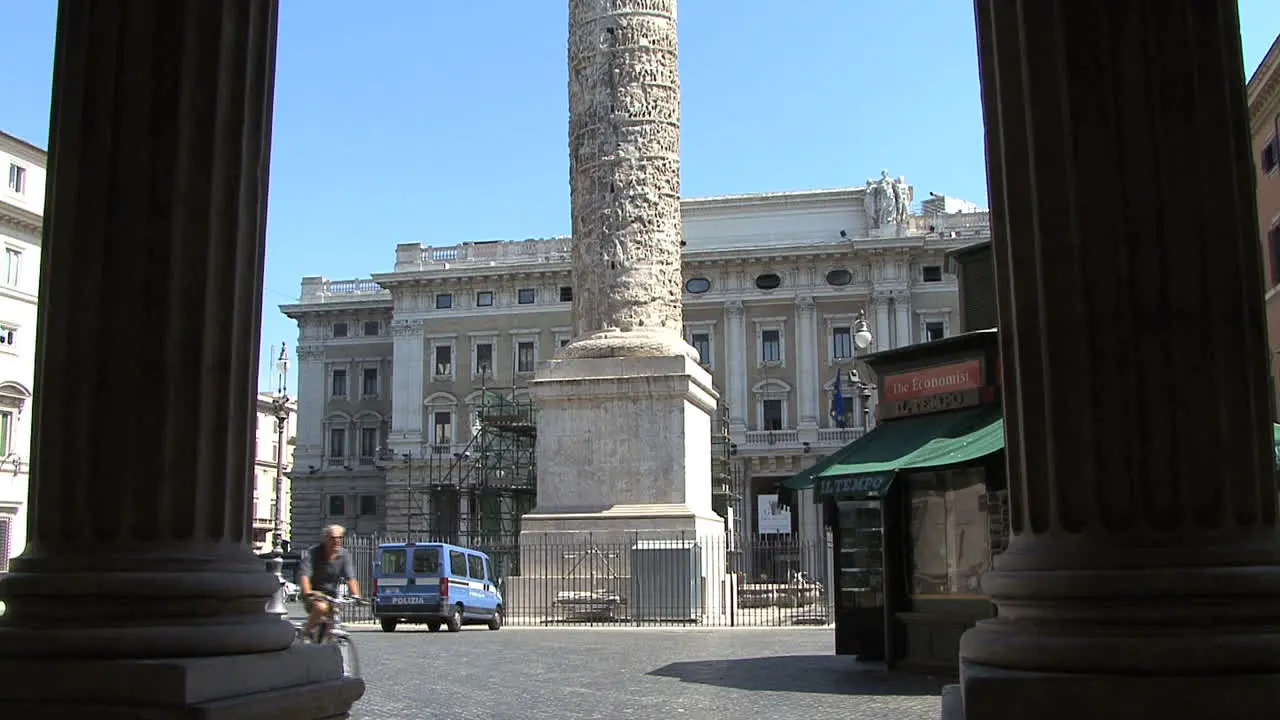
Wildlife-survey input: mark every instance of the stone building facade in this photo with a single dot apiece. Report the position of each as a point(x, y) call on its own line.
point(1264, 120)
point(266, 448)
point(396, 364)
point(21, 225)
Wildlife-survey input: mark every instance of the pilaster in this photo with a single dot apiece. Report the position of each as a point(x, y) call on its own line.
point(882, 330)
point(902, 335)
point(138, 569)
point(807, 370)
point(312, 393)
point(736, 359)
point(407, 378)
point(1143, 575)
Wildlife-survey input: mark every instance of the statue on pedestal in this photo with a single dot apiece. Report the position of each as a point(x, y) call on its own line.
point(887, 201)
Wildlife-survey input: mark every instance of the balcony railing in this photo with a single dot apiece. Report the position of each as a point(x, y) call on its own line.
point(773, 437)
point(838, 437)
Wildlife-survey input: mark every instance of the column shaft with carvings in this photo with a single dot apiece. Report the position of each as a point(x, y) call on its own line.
point(1145, 551)
point(736, 364)
point(808, 378)
point(624, 168)
point(408, 376)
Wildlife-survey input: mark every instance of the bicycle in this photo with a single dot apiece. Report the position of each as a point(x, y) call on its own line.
point(331, 631)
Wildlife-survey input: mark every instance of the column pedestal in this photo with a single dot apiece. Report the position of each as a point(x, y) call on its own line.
point(624, 458)
point(1142, 579)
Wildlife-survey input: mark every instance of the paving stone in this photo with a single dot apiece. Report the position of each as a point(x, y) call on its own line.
point(535, 673)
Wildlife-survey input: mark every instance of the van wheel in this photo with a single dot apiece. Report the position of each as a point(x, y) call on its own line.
point(455, 619)
point(495, 622)
point(433, 626)
point(389, 625)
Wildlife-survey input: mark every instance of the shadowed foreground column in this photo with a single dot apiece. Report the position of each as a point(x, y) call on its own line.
point(137, 595)
point(1142, 579)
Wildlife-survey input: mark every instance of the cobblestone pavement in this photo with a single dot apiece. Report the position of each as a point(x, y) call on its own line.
point(702, 674)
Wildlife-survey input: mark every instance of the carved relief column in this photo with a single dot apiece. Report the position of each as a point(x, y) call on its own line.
point(902, 318)
point(735, 377)
point(1143, 577)
point(408, 366)
point(807, 377)
point(138, 580)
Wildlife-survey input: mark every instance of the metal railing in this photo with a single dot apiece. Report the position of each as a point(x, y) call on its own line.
point(644, 581)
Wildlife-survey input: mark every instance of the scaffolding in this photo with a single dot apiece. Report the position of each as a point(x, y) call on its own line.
point(476, 496)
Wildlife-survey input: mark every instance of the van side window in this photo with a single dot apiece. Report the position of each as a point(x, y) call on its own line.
point(393, 562)
point(426, 561)
point(457, 564)
point(475, 564)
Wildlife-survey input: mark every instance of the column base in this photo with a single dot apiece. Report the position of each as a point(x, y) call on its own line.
point(304, 682)
point(996, 694)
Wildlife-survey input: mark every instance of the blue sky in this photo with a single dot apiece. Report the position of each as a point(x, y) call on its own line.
point(416, 121)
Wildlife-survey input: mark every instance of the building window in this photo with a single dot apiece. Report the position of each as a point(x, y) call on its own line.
point(337, 443)
point(339, 330)
point(444, 301)
point(770, 346)
point(525, 296)
point(369, 382)
point(6, 527)
point(371, 328)
point(1273, 245)
point(697, 286)
point(6, 432)
point(931, 273)
point(564, 341)
point(484, 298)
point(769, 281)
point(443, 361)
point(337, 506)
point(934, 330)
point(368, 445)
point(368, 505)
point(8, 337)
point(771, 414)
point(12, 266)
point(841, 343)
point(566, 293)
point(526, 356)
point(17, 178)
point(338, 386)
point(839, 278)
point(1270, 155)
point(275, 451)
point(484, 359)
point(442, 431)
point(701, 341)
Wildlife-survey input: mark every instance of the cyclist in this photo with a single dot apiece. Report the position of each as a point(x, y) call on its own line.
point(322, 570)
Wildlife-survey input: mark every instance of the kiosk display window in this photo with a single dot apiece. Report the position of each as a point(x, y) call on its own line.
point(861, 555)
point(950, 532)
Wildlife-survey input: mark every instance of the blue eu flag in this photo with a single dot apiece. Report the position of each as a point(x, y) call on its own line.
point(837, 404)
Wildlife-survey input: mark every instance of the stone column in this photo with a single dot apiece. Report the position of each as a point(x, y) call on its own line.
point(408, 349)
point(882, 330)
point(736, 364)
point(807, 370)
point(624, 167)
point(138, 581)
point(1143, 577)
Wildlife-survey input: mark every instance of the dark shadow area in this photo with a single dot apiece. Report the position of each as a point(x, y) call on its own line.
point(824, 674)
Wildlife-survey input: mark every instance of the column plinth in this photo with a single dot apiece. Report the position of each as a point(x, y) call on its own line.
point(144, 418)
point(1135, 367)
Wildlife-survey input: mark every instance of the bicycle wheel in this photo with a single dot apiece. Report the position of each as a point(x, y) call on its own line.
point(350, 658)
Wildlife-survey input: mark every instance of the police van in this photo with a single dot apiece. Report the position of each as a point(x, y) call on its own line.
point(435, 584)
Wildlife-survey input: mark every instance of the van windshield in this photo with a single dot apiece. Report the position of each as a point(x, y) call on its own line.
point(426, 561)
point(393, 562)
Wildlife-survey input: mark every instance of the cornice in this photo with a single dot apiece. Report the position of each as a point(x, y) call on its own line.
point(1263, 89)
point(23, 149)
point(21, 218)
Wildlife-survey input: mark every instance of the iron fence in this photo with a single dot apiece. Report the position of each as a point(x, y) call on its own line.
point(638, 580)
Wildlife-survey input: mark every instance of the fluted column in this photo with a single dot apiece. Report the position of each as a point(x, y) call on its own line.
point(1145, 551)
point(150, 297)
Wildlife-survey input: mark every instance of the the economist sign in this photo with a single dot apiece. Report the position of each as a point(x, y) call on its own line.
point(933, 389)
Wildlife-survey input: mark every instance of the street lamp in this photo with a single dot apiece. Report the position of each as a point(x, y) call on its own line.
point(280, 409)
point(862, 340)
point(861, 331)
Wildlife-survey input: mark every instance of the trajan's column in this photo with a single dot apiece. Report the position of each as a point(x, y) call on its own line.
point(624, 411)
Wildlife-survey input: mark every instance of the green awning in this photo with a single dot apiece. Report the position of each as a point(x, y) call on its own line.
point(927, 441)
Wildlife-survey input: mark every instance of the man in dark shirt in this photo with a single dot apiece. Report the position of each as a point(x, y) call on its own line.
point(323, 569)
